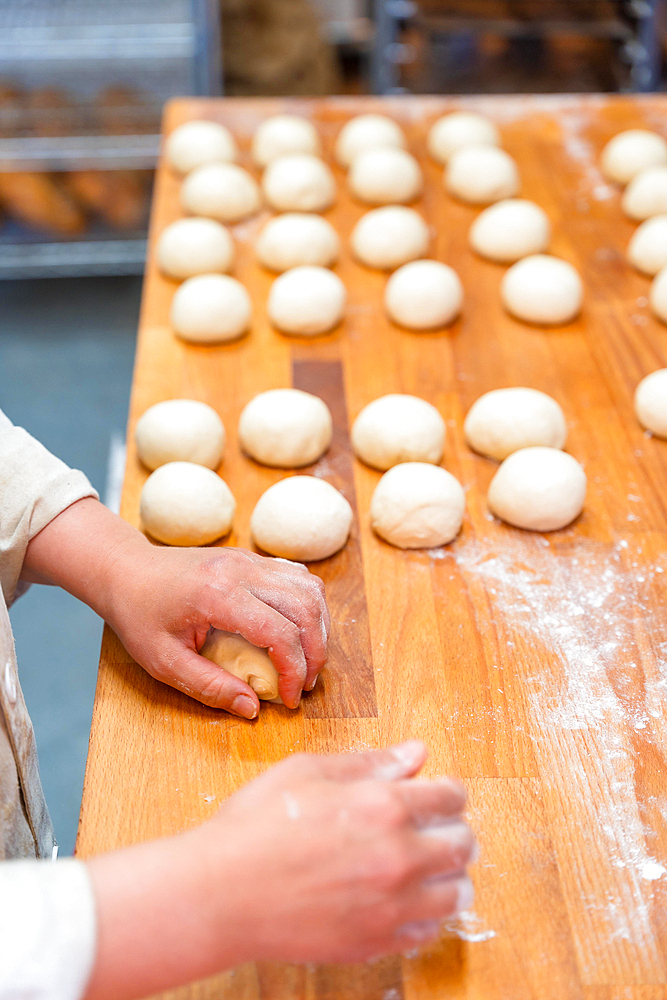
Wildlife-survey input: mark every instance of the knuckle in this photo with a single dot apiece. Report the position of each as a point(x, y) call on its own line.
point(387, 807)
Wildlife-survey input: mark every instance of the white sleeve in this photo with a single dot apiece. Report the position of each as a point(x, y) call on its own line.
point(47, 930)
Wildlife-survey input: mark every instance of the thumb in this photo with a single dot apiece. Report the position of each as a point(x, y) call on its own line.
point(401, 761)
point(212, 685)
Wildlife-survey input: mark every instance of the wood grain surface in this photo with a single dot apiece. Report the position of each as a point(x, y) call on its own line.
point(535, 666)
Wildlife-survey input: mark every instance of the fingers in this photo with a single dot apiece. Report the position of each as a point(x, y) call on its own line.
point(432, 803)
point(207, 682)
point(431, 905)
point(392, 764)
point(264, 626)
point(442, 851)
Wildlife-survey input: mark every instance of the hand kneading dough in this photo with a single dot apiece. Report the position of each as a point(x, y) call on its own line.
point(651, 402)
point(509, 230)
point(295, 239)
point(306, 301)
point(385, 176)
point(281, 135)
point(210, 308)
point(631, 151)
point(647, 249)
point(239, 657)
point(299, 183)
point(417, 506)
point(285, 428)
point(398, 428)
point(367, 132)
point(481, 174)
point(221, 191)
point(301, 518)
point(195, 143)
point(540, 489)
point(457, 130)
point(542, 289)
point(180, 430)
point(646, 194)
point(504, 420)
point(388, 237)
point(658, 295)
point(194, 246)
point(186, 504)
point(423, 295)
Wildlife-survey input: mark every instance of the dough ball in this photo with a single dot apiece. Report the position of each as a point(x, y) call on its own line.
point(301, 518)
point(180, 430)
point(367, 132)
point(505, 420)
point(417, 506)
point(306, 301)
point(194, 246)
point(509, 230)
point(285, 428)
point(630, 152)
point(423, 295)
point(542, 289)
point(398, 428)
point(651, 402)
point(646, 194)
point(281, 135)
point(211, 308)
point(195, 143)
point(299, 183)
point(647, 249)
point(540, 489)
point(658, 295)
point(297, 238)
point(458, 129)
point(481, 174)
point(186, 504)
point(385, 176)
point(239, 657)
point(222, 191)
point(390, 236)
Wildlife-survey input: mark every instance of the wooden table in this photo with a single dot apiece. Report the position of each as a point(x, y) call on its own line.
point(535, 666)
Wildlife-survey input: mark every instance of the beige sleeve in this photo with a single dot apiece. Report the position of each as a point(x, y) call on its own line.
point(35, 487)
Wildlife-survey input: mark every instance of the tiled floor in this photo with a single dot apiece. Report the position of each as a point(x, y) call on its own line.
point(66, 353)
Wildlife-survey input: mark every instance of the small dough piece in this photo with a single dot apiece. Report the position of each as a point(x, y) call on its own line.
point(482, 174)
point(398, 428)
point(281, 135)
point(194, 246)
point(299, 183)
point(285, 428)
point(186, 504)
point(367, 132)
point(295, 239)
point(221, 191)
point(509, 230)
point(505, 420)
point(195, 143)
point(647, 249)
point(651, 402)
point(423, 295)
point(658, 295)
point(301, 518)
point(180, 430)
point(390, 236)
point(457, 130)
point(249, 663)
point(646, 194)
point(539, 489)
point(630, 152)
point(211, 308)
point(385, 176)
point(542, 289)
point(307, 301)
point(417, 506)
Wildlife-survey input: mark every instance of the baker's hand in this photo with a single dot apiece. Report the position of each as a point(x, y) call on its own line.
point(162, 616)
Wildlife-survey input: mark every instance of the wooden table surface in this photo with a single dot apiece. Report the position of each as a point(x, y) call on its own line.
point(534, 666)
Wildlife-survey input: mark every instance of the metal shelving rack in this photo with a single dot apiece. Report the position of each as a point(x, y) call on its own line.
point(159, 49)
